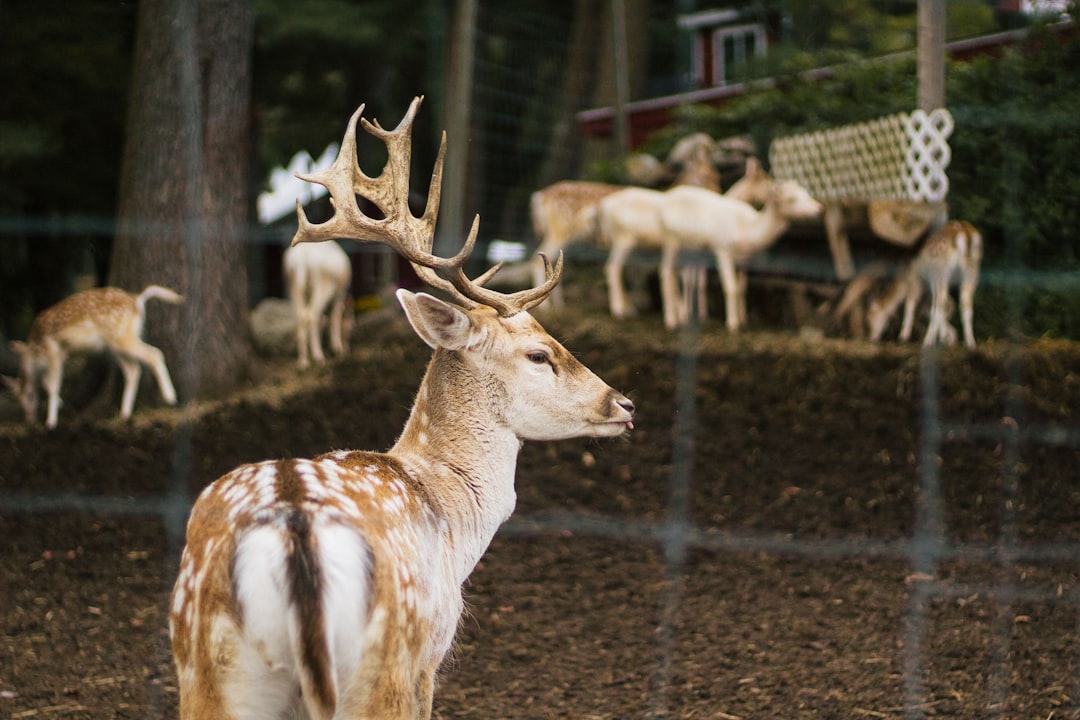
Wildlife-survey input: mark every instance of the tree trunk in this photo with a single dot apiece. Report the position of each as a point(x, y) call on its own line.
point(609, 76)
point(563, 157)
point(184, 191)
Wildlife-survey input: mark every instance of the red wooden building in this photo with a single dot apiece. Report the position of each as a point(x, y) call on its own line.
point(723, 39)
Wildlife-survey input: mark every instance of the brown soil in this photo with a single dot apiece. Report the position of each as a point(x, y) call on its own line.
point(797, 462)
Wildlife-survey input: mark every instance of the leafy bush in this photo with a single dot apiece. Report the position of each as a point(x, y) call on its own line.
point(1013, 169)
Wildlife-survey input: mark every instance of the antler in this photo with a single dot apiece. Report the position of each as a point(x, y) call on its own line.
point(409, 235)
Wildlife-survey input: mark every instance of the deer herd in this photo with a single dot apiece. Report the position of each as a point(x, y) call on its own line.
point(685, 224)
point(331, 587)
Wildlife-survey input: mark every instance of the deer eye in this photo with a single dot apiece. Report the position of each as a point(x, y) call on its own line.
point(537, 356)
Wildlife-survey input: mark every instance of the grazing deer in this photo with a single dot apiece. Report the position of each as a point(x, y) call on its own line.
point(331, 587)
point(318, 278)
point(692, 218)
point(953, 250)
point(89, 321)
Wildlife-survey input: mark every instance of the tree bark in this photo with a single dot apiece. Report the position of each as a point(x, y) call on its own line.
point(563, 157)
point(608, 76)
point(458, 108)
point(184, 191)
point(931, 54)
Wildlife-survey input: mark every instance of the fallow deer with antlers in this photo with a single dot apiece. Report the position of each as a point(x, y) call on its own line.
point(331, 587)
point(86, 322)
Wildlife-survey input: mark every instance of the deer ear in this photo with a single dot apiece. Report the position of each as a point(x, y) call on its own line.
point(438, 323)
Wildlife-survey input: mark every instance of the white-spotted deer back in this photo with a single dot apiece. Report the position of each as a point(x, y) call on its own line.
point(951, 254)
point(86, 322)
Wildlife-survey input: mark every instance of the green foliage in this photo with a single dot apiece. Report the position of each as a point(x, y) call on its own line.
point(852, 24)
point(1013, 171)
point(1014, 149)
point(832, 29)
point(793, 103)
point(1013, 310)
point(316, 61)
point(65, 82)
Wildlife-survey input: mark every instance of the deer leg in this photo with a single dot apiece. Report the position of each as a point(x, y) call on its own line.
point(876, 319)
point(337, 318)
point(155, 360)
point(298, 298)
point(967, 305)
point(314, 328)
point(730, 282)
point(325, 299)
point(242, 686)
point(132, 371)
point(702, 273)
point(939, 302)
point(620, 308)
point(911, 301)
point(743, 282)
point(54, 376)
point(947, 333)
point(425, 693)
point(686, 304)
point(303, 360)
point(398, 695)
point(673, 300)
point(694, 299)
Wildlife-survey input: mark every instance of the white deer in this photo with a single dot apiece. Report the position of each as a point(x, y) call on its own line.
point(953, 251)
point(87, 322)
point(630, 219)
point(331, 587)
point(567, 211)
point(692, 218)
point(752, 187)
point(317, 277)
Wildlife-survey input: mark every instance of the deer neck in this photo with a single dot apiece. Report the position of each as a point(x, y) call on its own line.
point(764, 230)
point(456, 446)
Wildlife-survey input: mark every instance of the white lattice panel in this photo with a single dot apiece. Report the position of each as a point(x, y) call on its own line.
point(897, 157)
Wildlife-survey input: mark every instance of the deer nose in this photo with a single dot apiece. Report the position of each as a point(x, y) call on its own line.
point(626, 405)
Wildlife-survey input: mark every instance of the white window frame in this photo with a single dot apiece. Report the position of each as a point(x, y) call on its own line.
point(739, 33)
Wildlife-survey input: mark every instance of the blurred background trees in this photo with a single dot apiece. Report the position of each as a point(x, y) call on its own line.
point(73, 95)
point(184, 195)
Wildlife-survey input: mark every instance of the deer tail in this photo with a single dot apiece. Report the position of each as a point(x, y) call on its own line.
point(300, 586)
point(158, 292)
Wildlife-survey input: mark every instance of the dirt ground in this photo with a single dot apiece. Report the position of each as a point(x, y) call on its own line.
point(797, 461)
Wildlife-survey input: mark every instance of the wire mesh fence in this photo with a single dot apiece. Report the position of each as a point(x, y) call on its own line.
point(1019, 573)
point(720, 595)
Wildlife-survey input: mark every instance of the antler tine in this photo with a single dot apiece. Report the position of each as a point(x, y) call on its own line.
point(389, 191)
point(535, 296)
point(347, 220)
point(507, 304)
point(399, 229)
